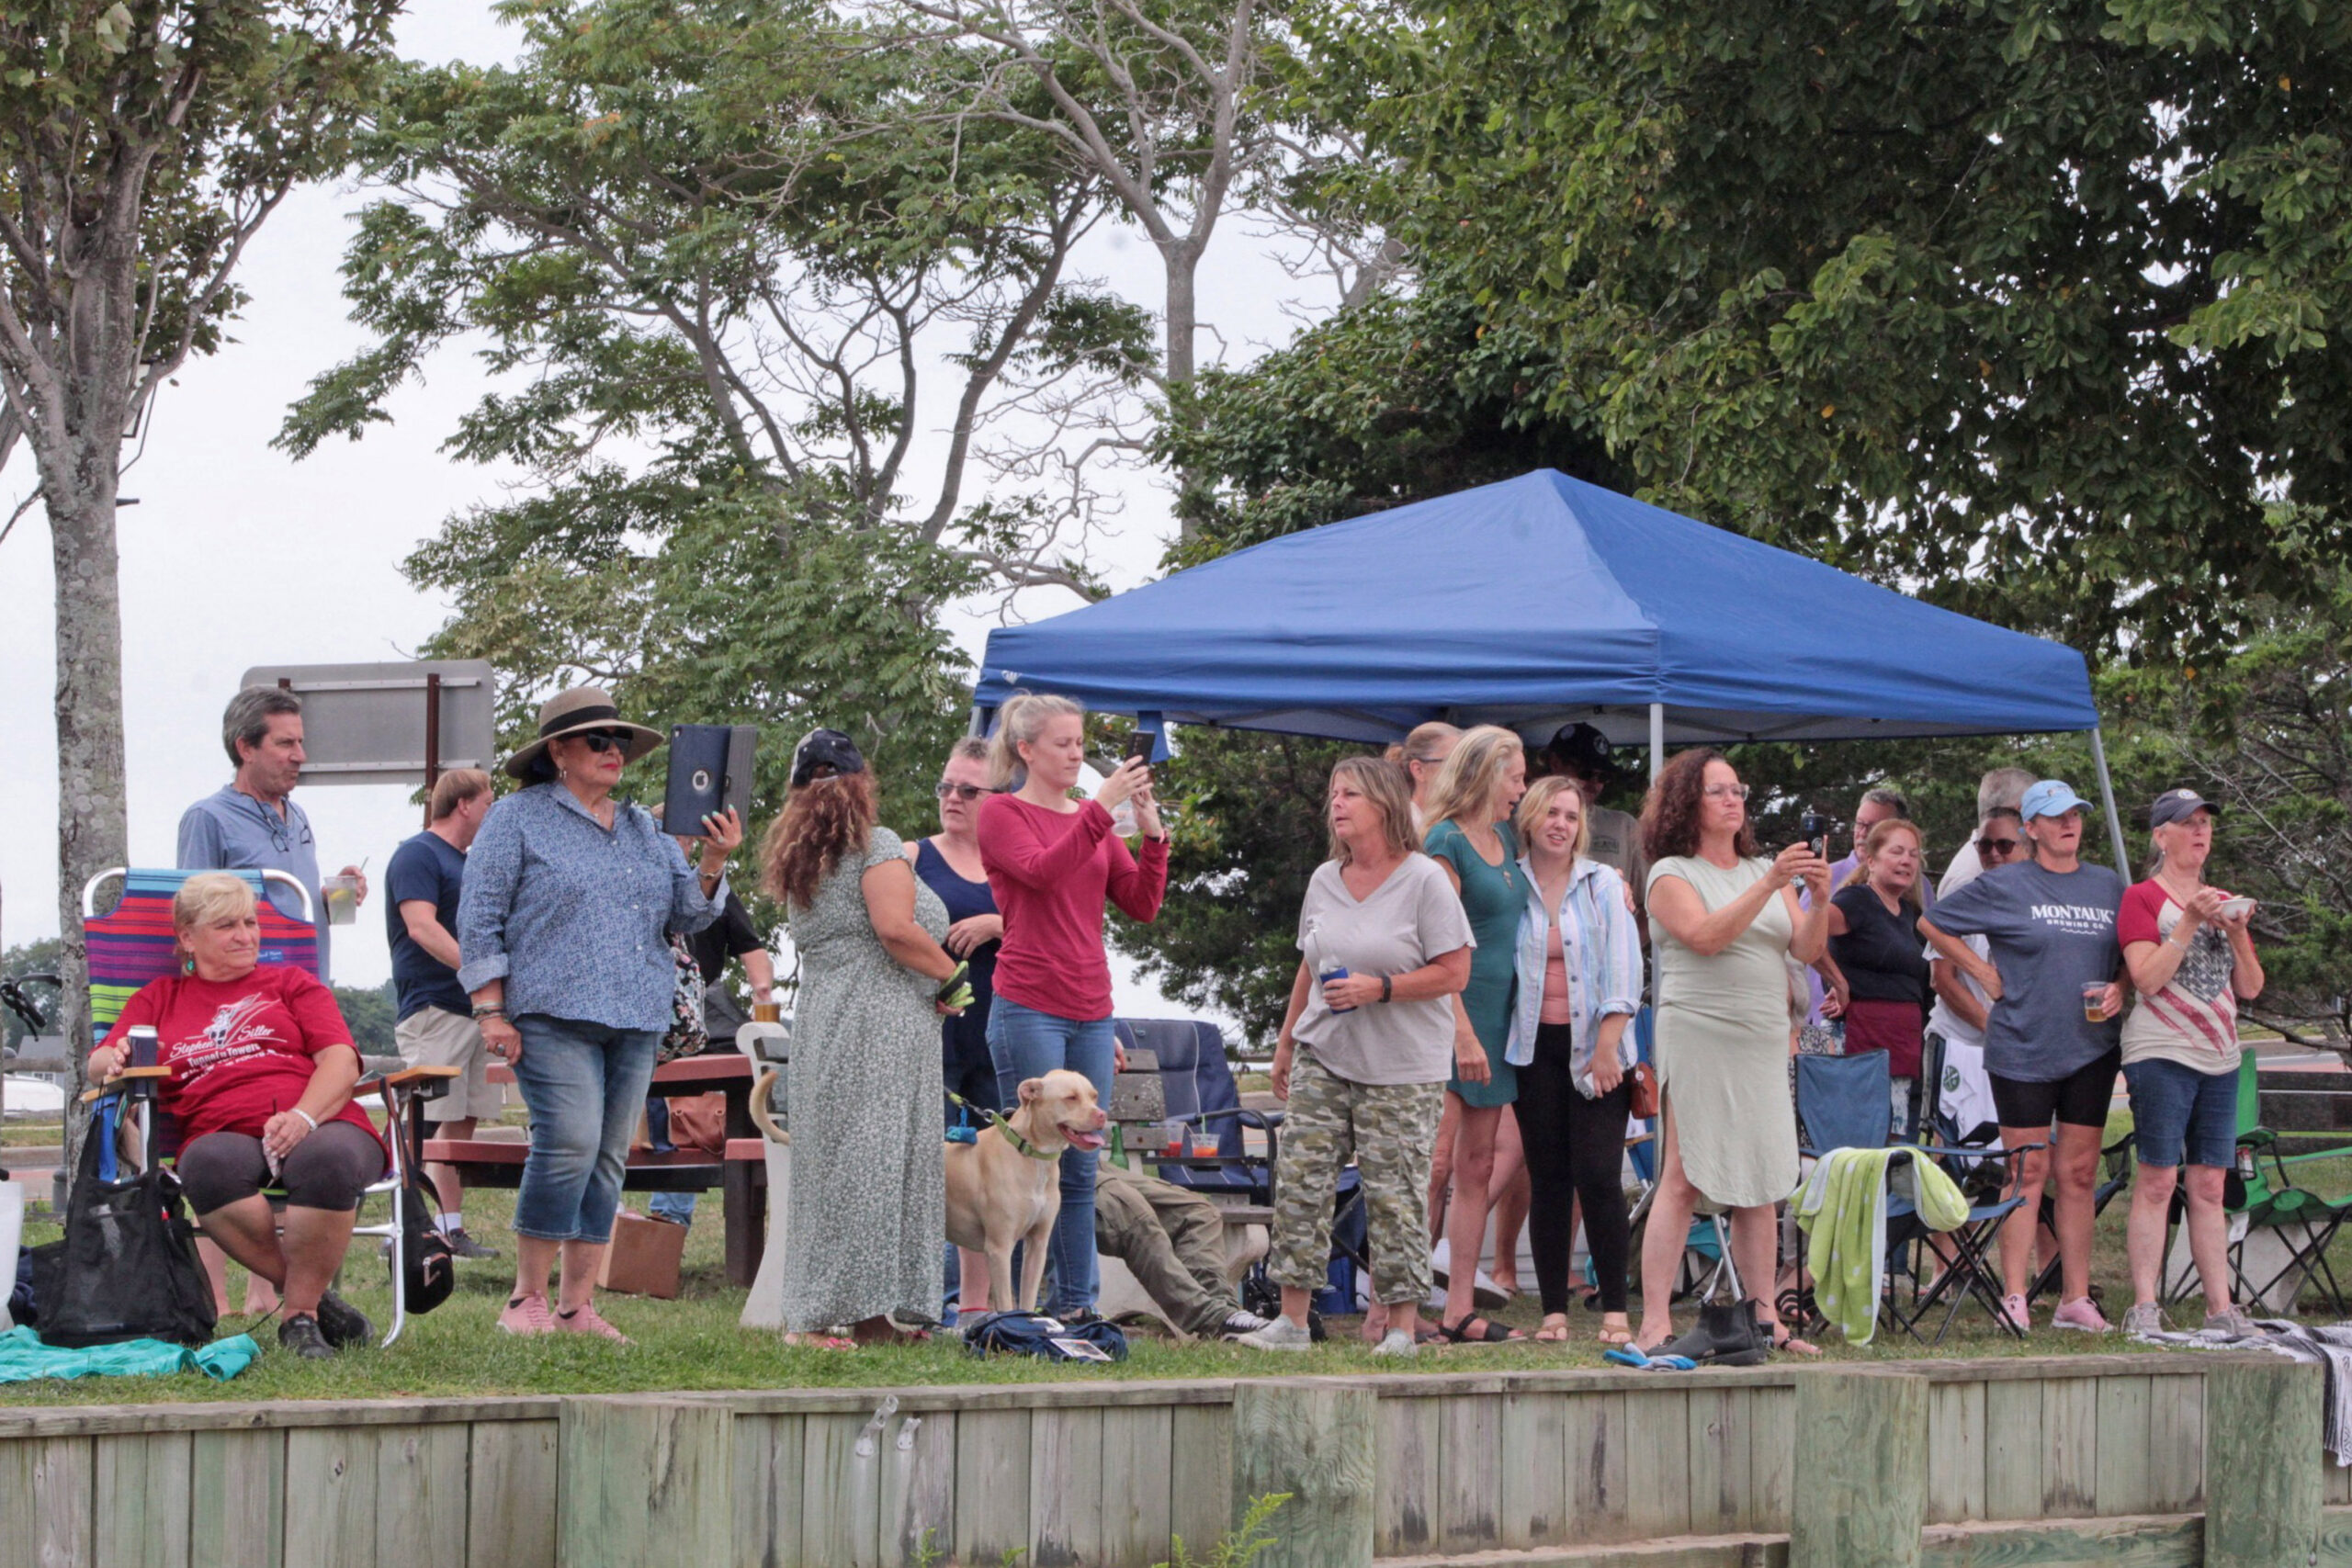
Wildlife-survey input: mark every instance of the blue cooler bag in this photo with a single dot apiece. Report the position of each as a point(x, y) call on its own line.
point(1034, 1334)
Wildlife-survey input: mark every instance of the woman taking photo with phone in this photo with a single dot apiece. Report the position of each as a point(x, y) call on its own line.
point(1053, 863)
point(1874, 943)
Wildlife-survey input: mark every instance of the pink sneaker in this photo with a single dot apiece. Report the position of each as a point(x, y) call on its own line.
point(2016, 1315)
point(527, 1314)
point(586, 1321)
point(2081, 1314)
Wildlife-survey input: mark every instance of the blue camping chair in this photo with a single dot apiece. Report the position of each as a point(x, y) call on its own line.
point(1842, 1103)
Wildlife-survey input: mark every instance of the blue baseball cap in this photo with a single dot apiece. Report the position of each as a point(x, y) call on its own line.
point(2050, 797)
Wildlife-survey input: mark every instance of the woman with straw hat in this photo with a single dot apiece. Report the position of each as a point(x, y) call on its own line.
point(564, 929)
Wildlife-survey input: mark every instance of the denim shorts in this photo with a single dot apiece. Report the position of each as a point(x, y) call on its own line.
point(2181, 1116)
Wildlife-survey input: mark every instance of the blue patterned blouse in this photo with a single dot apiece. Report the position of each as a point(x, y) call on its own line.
point(576, 916)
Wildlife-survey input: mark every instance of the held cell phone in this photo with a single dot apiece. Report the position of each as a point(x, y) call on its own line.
point(1139, 747)
point(1815, 829)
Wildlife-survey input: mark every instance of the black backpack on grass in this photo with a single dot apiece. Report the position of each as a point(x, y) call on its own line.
point(127, 1268)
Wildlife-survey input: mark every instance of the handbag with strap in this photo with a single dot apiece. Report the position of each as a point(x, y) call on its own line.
point(1643, 1103)
point(127, 1268)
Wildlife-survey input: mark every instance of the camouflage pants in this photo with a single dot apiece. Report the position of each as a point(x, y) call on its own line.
point(1390, 1131)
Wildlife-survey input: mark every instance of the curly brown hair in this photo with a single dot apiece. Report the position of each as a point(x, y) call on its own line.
point(1670, 811)
point(823, 820)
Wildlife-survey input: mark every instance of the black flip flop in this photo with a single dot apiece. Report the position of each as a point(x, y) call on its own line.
point(1494, 1333)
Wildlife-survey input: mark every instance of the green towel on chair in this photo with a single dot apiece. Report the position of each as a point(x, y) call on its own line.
point(1842, 1210)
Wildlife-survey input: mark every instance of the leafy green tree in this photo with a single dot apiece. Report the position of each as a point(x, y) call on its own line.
point(2032, 304)
point(370, 1012)
point(146, 141)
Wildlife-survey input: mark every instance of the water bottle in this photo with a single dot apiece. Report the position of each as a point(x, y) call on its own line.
point(1328, 976)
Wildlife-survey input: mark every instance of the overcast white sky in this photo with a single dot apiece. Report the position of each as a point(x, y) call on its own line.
point(237, 556)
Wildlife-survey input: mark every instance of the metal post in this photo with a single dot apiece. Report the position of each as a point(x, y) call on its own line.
point(2106, 804)
point(1657, 739)
point(431, 739)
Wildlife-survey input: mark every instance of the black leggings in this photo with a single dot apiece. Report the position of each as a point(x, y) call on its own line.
point(1576, 1148)
point(328, 1169)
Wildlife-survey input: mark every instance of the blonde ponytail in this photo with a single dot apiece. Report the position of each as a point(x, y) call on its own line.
point(1017, 724)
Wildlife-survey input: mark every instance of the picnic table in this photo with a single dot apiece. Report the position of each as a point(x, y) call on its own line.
point(740, 1173)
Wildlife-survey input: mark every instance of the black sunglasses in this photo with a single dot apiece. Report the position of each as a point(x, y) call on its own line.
point(1996, 846)
point(960, 790)
point(603, 740)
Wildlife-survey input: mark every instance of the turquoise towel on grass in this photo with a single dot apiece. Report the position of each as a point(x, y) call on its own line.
point(24, 1358)
point(1842, 1210)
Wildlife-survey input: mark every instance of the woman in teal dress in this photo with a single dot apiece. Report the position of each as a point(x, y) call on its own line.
point(1469, 835)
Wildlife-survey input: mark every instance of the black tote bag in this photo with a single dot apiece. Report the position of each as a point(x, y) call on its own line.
point(127, 1268)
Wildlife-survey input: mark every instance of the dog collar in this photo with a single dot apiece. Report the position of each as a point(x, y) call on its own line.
point(1004, 1126)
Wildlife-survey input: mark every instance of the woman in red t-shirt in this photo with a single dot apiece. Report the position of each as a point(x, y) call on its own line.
point(1052, 861)
point(261, 1072)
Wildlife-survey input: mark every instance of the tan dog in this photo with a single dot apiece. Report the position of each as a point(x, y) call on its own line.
point(998, 1195)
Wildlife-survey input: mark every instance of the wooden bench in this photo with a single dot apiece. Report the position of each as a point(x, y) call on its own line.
point(741, 1174)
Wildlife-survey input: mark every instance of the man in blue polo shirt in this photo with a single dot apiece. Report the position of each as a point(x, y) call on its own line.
point(252, 823)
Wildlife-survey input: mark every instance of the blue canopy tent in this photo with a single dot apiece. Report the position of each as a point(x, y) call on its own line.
point(1539, 601)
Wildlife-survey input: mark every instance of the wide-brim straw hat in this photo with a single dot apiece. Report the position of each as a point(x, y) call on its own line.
point(568, 712)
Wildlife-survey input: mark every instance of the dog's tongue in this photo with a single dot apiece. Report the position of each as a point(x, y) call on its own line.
point(1079, 1139)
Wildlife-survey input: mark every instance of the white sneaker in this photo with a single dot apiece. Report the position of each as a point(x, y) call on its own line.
point(1280, 1335)
point(1238, 1324)
point(1396, 1342)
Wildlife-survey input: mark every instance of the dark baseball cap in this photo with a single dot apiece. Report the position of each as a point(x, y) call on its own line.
point(825, 748)
point(2179, 806)
point(1583, 747)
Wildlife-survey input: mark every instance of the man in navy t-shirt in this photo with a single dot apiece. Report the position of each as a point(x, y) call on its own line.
point(437, 1024)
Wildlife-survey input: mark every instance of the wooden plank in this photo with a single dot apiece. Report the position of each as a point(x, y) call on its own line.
point(1312, 1439)
point(47, 1481)
point(331, 1497)
point(421, 1495)
point(1861, 1471)
point(237, 1500)
point(2335, 1539)
point(1065, 1489)
point(2013, 1451)
point(1722, 1500)
point(643, 1480)
point(1200, 1474)
point(2262, 1482)
point(767, 1491)
point(1600, 1495)
point(1657, 1460)
point(2174, 1540)
point(1771, 1455)
point(2125, 1483)
point(1469, 1492)
point(511, 1484)
point(1534, 1499)
point(992, 1485)
point(1405, 1447)
point(838, 1521)
point(142, 1518)
point(918, 1522)
point(2070, 1461)
point(1138, 1458)
point(1955, 1452)
point(2176, 1443)
point(1743, 1551)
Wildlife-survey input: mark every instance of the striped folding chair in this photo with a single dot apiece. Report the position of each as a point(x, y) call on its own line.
point(132, 943)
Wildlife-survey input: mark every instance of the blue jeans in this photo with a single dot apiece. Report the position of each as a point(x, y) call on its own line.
point(2180, 1116)
point(1026, 1044)
point(583, 1085)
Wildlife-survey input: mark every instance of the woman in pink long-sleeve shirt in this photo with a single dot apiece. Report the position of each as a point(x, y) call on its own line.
point(1052, 863)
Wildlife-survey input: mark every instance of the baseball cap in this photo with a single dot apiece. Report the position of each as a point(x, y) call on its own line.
point(825, 748)
point(2050, 797)
point(1582, 746)
point(2179, 806)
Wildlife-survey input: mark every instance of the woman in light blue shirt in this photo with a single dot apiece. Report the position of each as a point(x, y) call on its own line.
point(1580, 973)
point(563, 928)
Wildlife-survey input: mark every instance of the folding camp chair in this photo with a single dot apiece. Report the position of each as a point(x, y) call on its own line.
point(132, 943)
point(2265, 1203)
point(1842, 1102)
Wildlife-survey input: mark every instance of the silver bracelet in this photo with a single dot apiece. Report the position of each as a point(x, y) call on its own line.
point(306, 1116)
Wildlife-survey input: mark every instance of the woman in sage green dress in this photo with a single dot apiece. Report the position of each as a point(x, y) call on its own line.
point(868, 1202)
point(1723, 917)
point(1469, 835)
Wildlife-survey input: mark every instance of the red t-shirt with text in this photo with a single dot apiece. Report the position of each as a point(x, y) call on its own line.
point(239, 1051)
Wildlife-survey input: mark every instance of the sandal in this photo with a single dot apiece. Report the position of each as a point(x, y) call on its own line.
point(1493, 1333)
point(1555, 1329)
point(1616, 1334)
point(1787, 1343)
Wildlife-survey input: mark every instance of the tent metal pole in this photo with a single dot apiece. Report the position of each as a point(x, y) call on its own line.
point(1657, 739)
point(2106, 804)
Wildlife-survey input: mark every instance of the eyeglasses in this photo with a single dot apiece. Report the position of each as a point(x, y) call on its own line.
point(603, 740)
point(960, 790)
point(1727, 791)
point(1996, 846)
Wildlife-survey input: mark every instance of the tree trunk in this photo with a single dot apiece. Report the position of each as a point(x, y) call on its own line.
point(1182, 322)
point(93, 805)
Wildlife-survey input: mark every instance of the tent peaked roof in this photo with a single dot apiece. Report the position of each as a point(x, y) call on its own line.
point(1534, 602)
